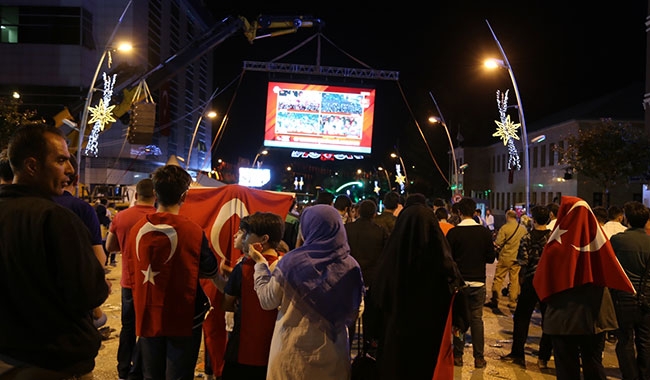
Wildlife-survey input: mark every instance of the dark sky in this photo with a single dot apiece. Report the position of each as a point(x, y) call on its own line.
point(562, 54)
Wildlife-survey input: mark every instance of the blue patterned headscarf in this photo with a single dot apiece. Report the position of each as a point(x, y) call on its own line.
point(320, 276)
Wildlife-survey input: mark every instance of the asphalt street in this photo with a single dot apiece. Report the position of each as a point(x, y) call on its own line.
point(498, 336)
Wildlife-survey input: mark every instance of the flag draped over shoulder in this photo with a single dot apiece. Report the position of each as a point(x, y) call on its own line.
point(219, 210)
point(577, 253)
point(445, 362)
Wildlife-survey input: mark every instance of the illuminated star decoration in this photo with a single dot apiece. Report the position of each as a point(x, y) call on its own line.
point(377, 188)
point(102, 114)
point(399, 178)
point(507, 131)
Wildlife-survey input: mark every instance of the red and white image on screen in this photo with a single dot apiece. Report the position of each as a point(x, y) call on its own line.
point(319, 117)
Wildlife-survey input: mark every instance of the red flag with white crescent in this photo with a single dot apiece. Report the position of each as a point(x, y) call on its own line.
point(445, 361)
point(218, 210)
point(578, 252)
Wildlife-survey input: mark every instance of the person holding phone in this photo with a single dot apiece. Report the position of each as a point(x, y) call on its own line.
point(249, 342)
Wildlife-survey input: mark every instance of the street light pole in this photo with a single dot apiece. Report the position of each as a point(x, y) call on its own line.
point(261, 153)
point(524, 135)
point(84, 113)
point(399, 156)
point(451, 144)
point(196, 127)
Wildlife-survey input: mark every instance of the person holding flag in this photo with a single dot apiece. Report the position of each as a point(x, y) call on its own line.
point(577, 268)
point(168, 253)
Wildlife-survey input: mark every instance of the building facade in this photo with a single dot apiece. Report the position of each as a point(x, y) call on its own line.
point(72, 36)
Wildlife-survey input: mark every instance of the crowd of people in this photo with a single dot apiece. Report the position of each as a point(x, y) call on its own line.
point(392, 273)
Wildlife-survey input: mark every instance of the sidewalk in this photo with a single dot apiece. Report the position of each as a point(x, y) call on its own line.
point(498, 338)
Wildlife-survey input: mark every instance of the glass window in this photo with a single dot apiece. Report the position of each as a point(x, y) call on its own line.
point(551, 154)
point(46, 25)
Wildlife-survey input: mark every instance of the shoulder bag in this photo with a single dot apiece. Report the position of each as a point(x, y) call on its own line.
point(498, 250)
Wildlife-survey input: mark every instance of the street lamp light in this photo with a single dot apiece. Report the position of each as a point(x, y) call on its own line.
point(263, 152)
point(402, 180)
point(381, 169)
point(210, 115)
point(441, 120)
point(399, 156)
point(492, 63)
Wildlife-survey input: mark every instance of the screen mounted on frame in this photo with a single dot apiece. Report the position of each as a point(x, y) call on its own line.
point(319, 117)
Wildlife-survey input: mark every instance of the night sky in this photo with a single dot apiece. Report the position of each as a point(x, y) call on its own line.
point(562, 54)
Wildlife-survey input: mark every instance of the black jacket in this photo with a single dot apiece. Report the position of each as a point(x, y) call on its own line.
point(50, 280)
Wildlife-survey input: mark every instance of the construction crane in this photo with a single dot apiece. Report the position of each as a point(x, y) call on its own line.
point(263, 27)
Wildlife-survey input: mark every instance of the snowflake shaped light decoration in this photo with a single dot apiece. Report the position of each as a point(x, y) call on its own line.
point(377, 189)
point(102, 114)
point(507, 131)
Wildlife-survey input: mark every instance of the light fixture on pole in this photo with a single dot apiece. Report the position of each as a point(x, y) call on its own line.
point(89, 97)
point(198, 123)
point(263, 152)
point(503, 63)
point(381, 169)
point(441, 120)
point(399, 178)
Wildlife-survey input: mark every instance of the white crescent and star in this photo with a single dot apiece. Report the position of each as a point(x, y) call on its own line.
point(234, 206)
point(171, 234)
point(596, 244)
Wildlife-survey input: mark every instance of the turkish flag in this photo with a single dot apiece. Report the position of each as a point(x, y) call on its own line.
point(445, 361)
point(577, 253)
point(219, 210)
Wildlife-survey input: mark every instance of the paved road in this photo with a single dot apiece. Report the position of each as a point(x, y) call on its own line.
point(498, 335)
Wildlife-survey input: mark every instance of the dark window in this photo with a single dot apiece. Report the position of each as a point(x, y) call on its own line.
point(551, 154)
point(47, 25)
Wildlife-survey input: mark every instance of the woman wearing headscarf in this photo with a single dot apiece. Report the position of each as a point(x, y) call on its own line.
point(413, 289)
point(319, 289)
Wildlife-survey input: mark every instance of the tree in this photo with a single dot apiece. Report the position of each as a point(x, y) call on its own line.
point(11, 117)
point(607, 152)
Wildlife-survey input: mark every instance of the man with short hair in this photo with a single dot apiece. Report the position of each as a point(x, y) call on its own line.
point(632, 248)
point(442, 215)
point(530, 252)
point(553, 209)
point(508, 238)
point(87, 214)
point(387, 217)
point(168, 254)
point(48, 262)
point(128, 355)
point(614, 224)
point(342, 204)
point(367, 240)
point(472, 249)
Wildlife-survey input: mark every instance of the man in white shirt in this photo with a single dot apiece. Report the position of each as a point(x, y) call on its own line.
point(552, 212)
point(614, 225)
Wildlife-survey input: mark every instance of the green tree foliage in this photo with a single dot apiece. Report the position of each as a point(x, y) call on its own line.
point(11, 117)
point(608, 152)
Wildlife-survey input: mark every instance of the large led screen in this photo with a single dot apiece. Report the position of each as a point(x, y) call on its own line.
point(319, 117)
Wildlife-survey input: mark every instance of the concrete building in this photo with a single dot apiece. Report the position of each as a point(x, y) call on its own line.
point(486, 175)
point(72, 36)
